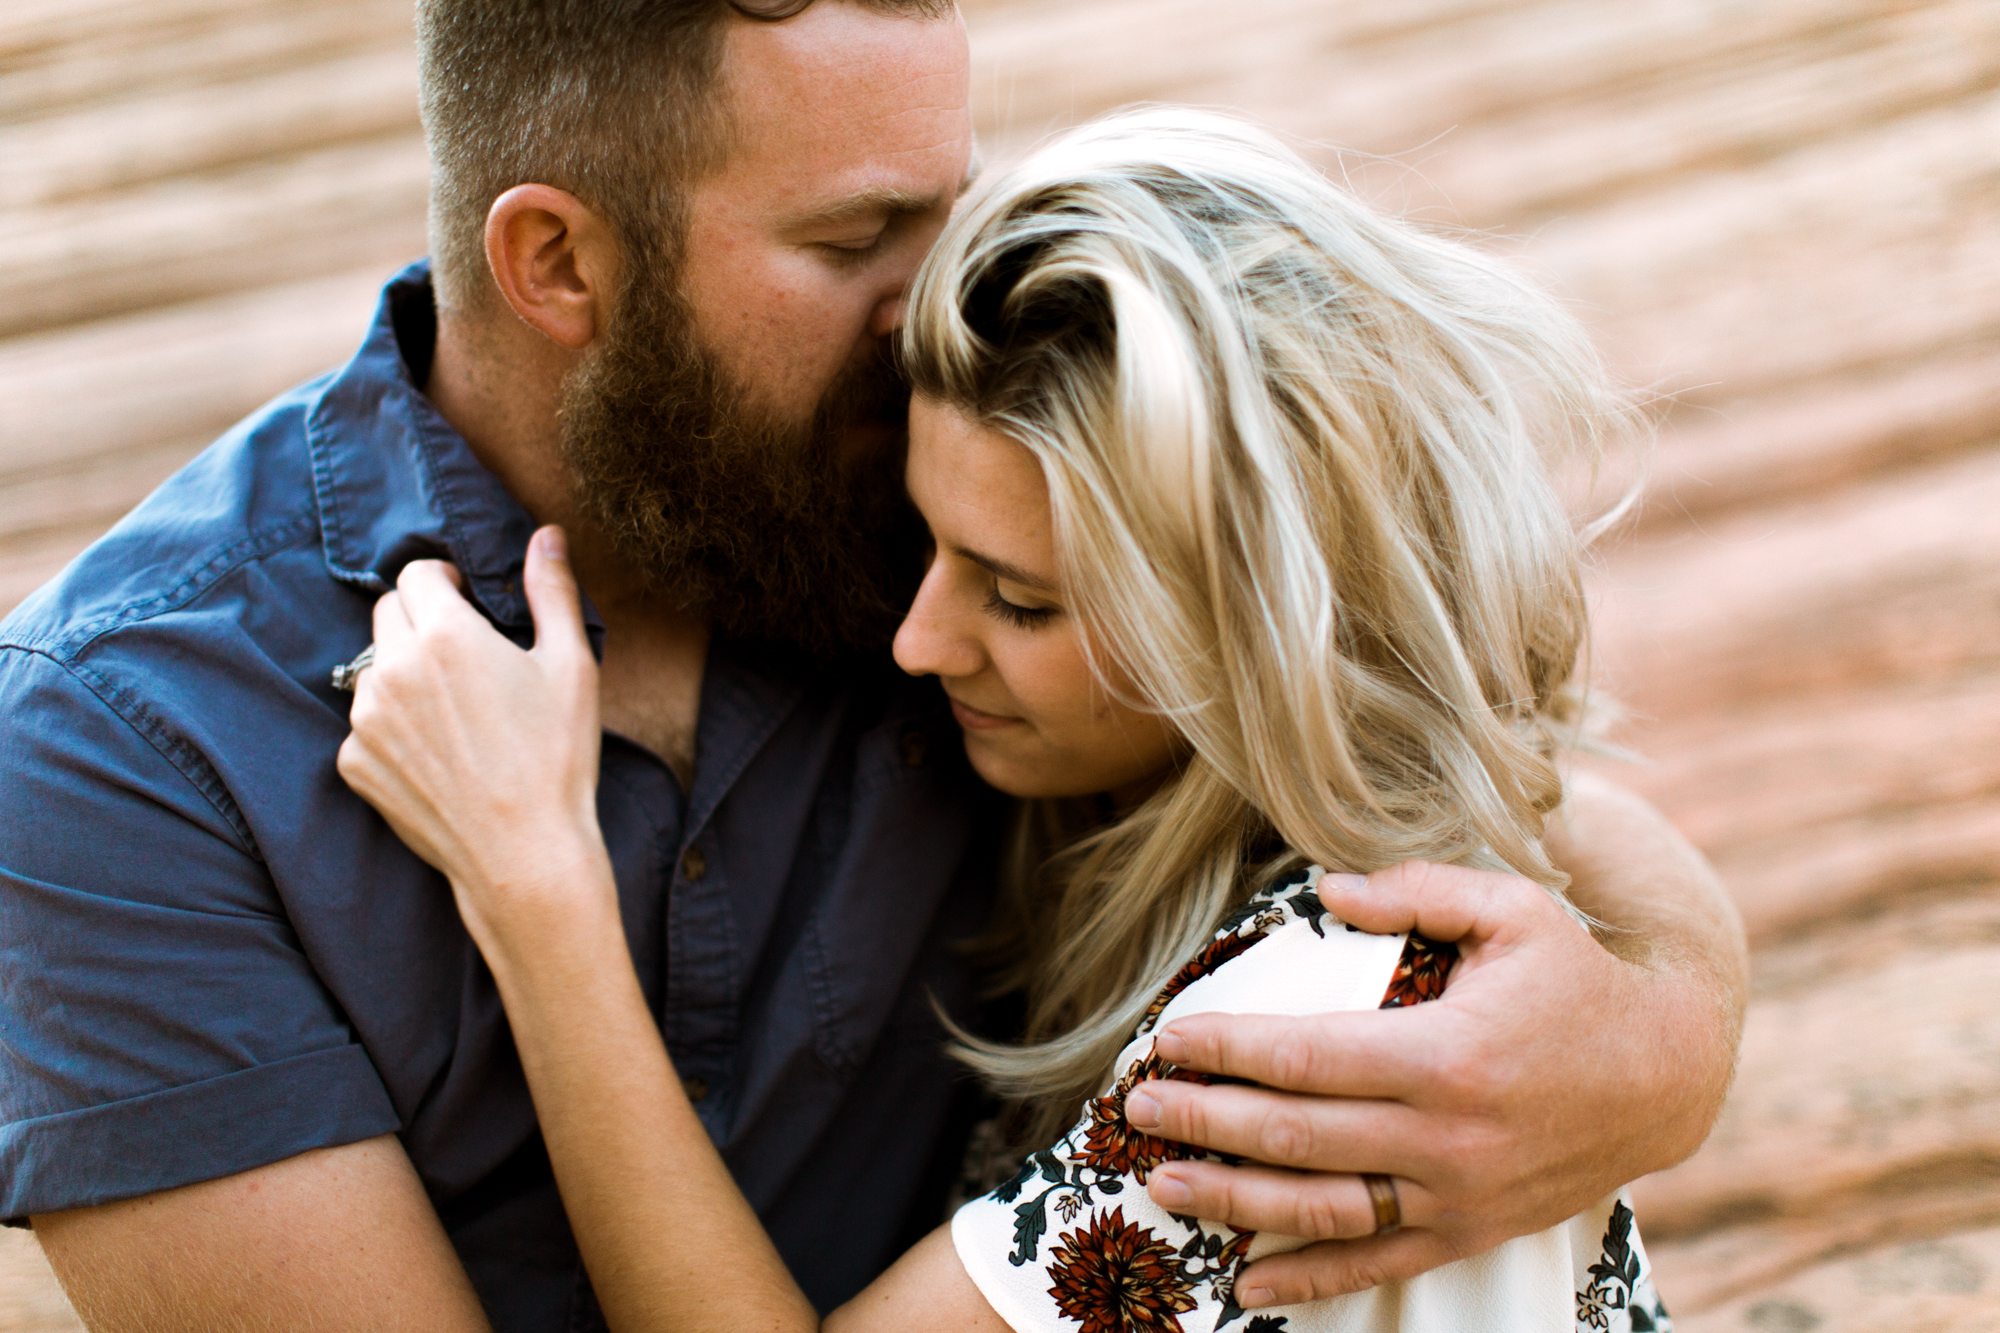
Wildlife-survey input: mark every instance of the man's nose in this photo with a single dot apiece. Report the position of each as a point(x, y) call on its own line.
point(888, 314)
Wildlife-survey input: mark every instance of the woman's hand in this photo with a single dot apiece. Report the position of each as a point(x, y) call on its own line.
point(482, 757)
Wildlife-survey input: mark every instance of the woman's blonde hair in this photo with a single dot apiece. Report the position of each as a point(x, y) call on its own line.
point(1297, 456)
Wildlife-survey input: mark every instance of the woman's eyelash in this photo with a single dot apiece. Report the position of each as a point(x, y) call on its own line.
point(1020, 617)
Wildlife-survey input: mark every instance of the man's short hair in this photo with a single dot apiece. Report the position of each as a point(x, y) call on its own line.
point(612, 100)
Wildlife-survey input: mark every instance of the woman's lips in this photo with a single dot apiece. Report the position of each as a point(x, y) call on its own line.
point(973, 720)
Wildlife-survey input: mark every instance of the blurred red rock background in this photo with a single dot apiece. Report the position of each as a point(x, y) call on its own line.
point(1783, 213)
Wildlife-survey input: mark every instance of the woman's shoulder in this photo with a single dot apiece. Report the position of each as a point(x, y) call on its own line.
point(1282, 952)
point(1074, 1237)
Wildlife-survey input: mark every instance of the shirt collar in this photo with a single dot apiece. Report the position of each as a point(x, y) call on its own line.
point(395, 482)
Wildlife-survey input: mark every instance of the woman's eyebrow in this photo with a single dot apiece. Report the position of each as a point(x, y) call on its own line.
point(1002, 569)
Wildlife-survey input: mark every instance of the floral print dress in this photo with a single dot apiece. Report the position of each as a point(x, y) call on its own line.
point(1074, 1244)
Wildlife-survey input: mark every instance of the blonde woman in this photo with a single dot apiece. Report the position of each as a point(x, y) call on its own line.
point(1247, 570)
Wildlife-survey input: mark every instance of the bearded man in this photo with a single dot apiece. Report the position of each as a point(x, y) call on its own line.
point(253, 1073)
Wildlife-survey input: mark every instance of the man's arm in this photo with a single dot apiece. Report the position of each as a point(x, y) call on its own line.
point(331, 1240)
point(1662, 904)
point(162, 1025)
point(1553, 1070)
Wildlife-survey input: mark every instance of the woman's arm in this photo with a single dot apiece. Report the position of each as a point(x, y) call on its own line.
point(669, 1240)
point(484, 759)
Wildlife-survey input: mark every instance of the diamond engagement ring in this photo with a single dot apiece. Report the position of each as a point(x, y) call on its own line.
point(348, 674)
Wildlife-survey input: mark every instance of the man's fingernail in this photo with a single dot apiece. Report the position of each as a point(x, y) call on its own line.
point(1171, 1047)
point(1254, 1298)
point(1340, 883)
point(1142, 1109)
point(1169, 1191)
point(554, 544)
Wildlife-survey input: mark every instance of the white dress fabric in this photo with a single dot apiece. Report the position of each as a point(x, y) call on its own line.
point(1073, 1242)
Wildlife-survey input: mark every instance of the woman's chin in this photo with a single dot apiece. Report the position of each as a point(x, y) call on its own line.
point(1000, 765)
point(1037, 778)
point(1003, 772)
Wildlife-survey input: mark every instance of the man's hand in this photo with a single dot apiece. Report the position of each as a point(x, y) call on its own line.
point(1553, 1070)
point(337, 1239)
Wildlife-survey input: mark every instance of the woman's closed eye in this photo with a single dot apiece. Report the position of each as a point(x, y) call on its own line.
point(1013, 613)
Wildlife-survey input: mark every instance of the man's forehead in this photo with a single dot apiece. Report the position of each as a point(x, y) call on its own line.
point(841, 82)
point(827, 34)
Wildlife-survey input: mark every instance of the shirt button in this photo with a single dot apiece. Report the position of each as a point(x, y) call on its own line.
point(694, 864)
point(695, 1086)
point(915, 746)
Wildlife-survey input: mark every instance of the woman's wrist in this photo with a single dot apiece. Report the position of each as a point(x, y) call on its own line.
point(536, 906)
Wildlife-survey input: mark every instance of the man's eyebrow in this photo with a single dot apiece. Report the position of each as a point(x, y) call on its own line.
point(881, 201)
point(1002, 569)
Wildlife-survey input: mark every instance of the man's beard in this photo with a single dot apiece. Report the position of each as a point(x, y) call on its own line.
point(756, 523)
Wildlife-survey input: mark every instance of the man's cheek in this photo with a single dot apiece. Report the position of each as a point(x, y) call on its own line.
point(798, 365)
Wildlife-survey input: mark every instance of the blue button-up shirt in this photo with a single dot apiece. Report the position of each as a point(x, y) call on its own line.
point(213, 955)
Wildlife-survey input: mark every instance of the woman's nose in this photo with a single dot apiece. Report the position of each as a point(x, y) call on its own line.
point(936, 638)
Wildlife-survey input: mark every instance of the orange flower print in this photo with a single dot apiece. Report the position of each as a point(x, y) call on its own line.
point(1215, 955)
point(1114, 1276)
point(1420, 972)
point(1112, 1146)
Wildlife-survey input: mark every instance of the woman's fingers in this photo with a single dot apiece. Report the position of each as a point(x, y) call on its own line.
point(432, 592)
point(1284, 1203)
point(553, 598)
point(392, 622)
point(483, 757)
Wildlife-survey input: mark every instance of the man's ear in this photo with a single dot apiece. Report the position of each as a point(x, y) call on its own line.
point(554, 261)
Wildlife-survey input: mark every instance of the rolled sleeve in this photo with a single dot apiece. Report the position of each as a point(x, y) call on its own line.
point(179, 1136)
point(159, 1023)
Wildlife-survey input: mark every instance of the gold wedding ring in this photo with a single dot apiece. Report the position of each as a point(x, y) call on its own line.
point(1388, 1208)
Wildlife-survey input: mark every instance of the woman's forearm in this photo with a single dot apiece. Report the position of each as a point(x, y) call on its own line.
point(451, 711)
point(669, 1241)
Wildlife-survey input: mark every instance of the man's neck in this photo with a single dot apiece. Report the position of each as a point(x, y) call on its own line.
point(499, 384)
point(649, 688)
